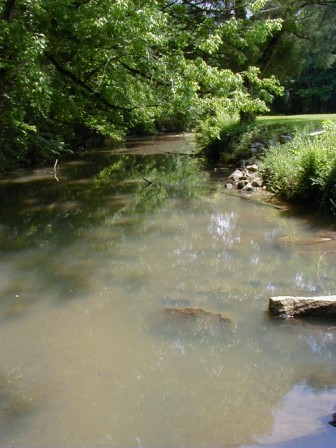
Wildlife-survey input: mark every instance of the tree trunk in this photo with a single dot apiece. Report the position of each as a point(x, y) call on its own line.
point(247, 117)
point(9, 9)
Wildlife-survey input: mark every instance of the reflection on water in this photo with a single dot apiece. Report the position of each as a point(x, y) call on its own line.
point(91, 266)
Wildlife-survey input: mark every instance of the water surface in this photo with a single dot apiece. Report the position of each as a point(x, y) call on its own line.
point(90, 261)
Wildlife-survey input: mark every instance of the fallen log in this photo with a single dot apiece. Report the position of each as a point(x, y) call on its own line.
point(289, 306)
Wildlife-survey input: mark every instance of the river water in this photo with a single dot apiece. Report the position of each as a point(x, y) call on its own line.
point(92, 260)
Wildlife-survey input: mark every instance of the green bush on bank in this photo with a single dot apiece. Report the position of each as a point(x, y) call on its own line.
point(224, 138)
point(304, 170)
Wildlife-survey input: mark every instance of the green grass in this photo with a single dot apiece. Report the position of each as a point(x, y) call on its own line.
point(300, 120)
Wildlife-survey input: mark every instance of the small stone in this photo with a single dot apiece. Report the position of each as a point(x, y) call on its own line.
point(228, 186)
point(241, 184)
point(251, 161)
point(285, 138)
point(236, 175)
point(248, 187)
point(257, 145)
point(271, 143)
point(257, 182)
point(252, 168)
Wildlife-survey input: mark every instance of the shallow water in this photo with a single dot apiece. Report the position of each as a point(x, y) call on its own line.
point(89, 355)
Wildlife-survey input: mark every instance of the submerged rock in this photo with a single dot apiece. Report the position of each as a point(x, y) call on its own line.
point(288, 306)
point(198, 312)
point(193, 325)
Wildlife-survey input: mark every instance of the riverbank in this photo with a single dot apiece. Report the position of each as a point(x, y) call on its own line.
point(295, 156)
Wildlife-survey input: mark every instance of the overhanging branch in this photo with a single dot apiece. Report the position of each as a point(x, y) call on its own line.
point(137, 72)
point(77, 81)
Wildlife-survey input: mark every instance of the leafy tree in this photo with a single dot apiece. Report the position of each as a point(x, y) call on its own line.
point(71, 69)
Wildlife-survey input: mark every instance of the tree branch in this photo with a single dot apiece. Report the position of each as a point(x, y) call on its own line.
point(68, 74)
point(169, 5)
point(137, 72)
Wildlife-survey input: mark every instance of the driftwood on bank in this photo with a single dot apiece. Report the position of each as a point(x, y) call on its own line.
point(289, 306)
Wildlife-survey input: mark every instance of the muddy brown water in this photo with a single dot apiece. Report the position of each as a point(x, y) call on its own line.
point(89, 262)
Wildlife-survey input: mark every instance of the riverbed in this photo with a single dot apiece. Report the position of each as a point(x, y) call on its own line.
point(92, 256)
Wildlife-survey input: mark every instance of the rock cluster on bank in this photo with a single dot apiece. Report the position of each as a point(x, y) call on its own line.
point(246, 178)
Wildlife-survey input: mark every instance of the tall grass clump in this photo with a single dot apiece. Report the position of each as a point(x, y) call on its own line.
point(304, 170)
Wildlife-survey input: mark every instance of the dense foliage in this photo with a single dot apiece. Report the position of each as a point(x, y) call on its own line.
point(73, 69)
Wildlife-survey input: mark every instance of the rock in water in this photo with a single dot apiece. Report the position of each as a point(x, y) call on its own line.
point(197, 324)
point(198, 312)
point(288, 306)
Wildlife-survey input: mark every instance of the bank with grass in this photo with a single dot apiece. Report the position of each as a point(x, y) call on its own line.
point(296, 155)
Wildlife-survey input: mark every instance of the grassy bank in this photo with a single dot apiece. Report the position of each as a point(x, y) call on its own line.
point(304, 169)
point(298, 121)
point(297, 155)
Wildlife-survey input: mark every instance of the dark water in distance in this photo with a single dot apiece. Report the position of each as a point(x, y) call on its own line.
point(89, 356)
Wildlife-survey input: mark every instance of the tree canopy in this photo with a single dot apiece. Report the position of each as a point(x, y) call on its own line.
point(72, 69)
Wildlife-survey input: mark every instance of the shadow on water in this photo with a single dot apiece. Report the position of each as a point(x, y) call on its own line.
point(59, 219)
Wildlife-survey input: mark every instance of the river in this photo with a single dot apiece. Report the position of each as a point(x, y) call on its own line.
point(93, 259)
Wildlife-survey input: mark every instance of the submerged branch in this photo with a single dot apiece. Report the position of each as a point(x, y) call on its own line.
point(55, 170)
point(148, 182)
